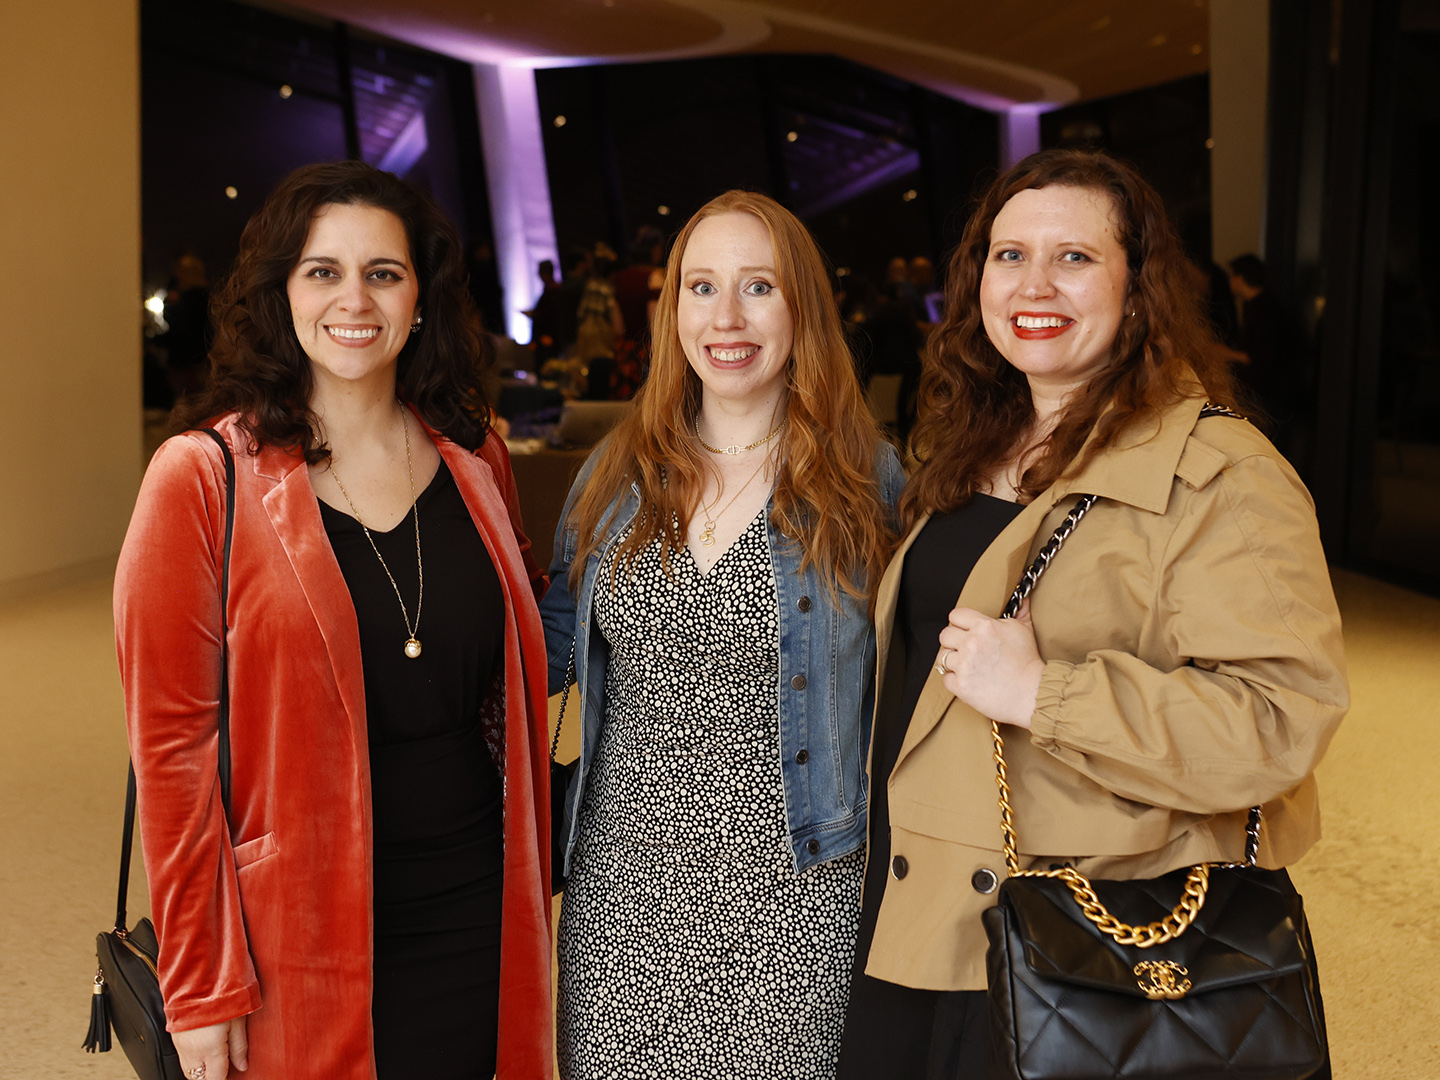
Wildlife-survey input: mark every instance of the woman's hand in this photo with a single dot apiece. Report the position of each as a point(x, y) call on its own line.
point(208, 1052)
point(993, 665)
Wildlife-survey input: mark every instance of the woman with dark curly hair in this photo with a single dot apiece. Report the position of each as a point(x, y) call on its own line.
point(374, 898)
point(1181, 660)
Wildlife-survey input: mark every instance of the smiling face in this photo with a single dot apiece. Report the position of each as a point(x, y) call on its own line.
point(735, 326)
point(353, 294)
point(1055, 284)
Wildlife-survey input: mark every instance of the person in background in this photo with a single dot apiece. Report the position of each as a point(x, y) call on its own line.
point(599, 326)
point(711, 583)
point(1179, 662)
point(187, 313)
point(1267, 346)
point(374, 901)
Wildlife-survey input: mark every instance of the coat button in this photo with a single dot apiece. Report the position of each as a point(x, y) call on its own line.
point(802, 756)
point(984, 881)
point(798, 682)
point(804, 604)
point(899, 866)
point(813, 847)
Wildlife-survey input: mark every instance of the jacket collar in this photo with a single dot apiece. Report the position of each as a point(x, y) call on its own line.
point(1139, 469)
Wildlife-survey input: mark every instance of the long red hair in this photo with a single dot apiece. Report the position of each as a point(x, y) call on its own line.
point(826, 498)
point(975, 409)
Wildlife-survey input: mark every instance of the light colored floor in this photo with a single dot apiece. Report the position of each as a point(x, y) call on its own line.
point(1372, 886)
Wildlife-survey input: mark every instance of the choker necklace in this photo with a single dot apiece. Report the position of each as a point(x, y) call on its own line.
point(412, 643)
point(732, 450)
point(707, 534)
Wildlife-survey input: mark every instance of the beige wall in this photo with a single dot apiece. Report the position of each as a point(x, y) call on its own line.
point(70, 294)
point(1239, 89)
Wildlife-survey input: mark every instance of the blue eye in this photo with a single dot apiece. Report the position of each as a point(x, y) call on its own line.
point(1008, 255)
point(702, 288)
point(759, 288)
point(1076, 257)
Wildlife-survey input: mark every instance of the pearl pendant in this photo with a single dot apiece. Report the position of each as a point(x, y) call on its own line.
point(412, 648)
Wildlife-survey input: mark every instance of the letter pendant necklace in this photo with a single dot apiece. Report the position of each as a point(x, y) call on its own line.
point(707, 534)
point(412, 643)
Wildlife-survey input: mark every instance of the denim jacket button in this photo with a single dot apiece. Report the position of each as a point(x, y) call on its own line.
point(802, 756)
point(804, 604)
point(813, 847)
point(798, 682)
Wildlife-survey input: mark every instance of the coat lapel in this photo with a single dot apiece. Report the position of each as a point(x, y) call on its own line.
point(1141, 477)
point(295, 515)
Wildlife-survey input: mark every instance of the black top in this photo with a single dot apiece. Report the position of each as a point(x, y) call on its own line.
point(434, 786)
point(936, 568)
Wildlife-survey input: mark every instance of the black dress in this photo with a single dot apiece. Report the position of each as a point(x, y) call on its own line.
point(896, 1031)
point(435, 788)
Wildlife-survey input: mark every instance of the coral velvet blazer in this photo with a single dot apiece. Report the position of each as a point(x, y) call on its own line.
point(268, 915)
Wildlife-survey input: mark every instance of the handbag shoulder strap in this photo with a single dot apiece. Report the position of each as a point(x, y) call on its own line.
point(127, 840)
point(1194, 896)
point(564, 700)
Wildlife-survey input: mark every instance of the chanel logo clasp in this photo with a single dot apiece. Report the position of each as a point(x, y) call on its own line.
point(1163, 980)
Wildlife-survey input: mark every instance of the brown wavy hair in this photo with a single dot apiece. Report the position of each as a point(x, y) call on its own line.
point(257, 366)
point(975, 409)
point(826, 497)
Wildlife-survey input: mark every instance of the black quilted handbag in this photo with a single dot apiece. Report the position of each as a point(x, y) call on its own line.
point(1205, 973)
point(126, 993)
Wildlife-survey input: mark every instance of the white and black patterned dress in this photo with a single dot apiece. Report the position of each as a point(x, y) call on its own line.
point(688, 944)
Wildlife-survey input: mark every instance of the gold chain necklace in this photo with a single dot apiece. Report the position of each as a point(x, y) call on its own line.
point(412, 643)
point(707, 534)
point(733, 450)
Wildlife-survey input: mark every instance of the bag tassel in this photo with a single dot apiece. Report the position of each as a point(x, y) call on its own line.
point(97, 1039)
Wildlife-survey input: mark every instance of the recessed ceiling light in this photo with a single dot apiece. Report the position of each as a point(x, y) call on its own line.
point(911, 195)
point(1209, 144)
point(286, 91)
point(663, 210)
point(791, 136)
point(559, 121)
point(231, 193)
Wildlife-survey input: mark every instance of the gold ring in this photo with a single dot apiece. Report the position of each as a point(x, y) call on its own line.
point(940, 668)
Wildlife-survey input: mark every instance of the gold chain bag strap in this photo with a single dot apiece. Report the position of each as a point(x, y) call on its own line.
point(1101, 980)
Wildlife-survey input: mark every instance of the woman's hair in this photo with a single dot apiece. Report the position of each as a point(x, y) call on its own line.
point(975, 409)
point(258, 367)
point(826, 498)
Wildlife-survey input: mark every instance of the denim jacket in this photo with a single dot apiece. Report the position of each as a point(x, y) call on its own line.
point(825, 686)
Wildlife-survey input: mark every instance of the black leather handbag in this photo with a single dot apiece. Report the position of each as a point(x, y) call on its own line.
point(1205, 973)
point(126, 994)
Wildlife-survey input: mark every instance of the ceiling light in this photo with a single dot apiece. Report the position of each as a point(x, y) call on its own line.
point(791, 136)
point(842, 271)
point(1209, 144)
point(911, 195)
point(286, 91)
point(559, 121)
point(663, 210)
point(231, 193)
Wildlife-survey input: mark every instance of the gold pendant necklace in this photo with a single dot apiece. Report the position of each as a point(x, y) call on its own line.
point(733, 450)
point(412, 643)
point(707, 534)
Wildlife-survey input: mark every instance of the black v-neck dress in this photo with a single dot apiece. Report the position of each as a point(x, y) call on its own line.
point(435, 789)
point(897, 1032)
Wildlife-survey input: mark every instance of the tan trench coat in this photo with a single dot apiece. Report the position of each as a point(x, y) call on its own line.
point(1194, 667)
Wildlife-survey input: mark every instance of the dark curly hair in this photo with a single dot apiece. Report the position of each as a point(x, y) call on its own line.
point(257, 366)
point(975, 408)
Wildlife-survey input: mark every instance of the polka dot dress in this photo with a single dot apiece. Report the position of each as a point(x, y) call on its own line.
point(688, 945)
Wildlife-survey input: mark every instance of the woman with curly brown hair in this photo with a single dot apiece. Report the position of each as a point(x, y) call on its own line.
point(373, 899)
point(711, 588)
point(1181, 660)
